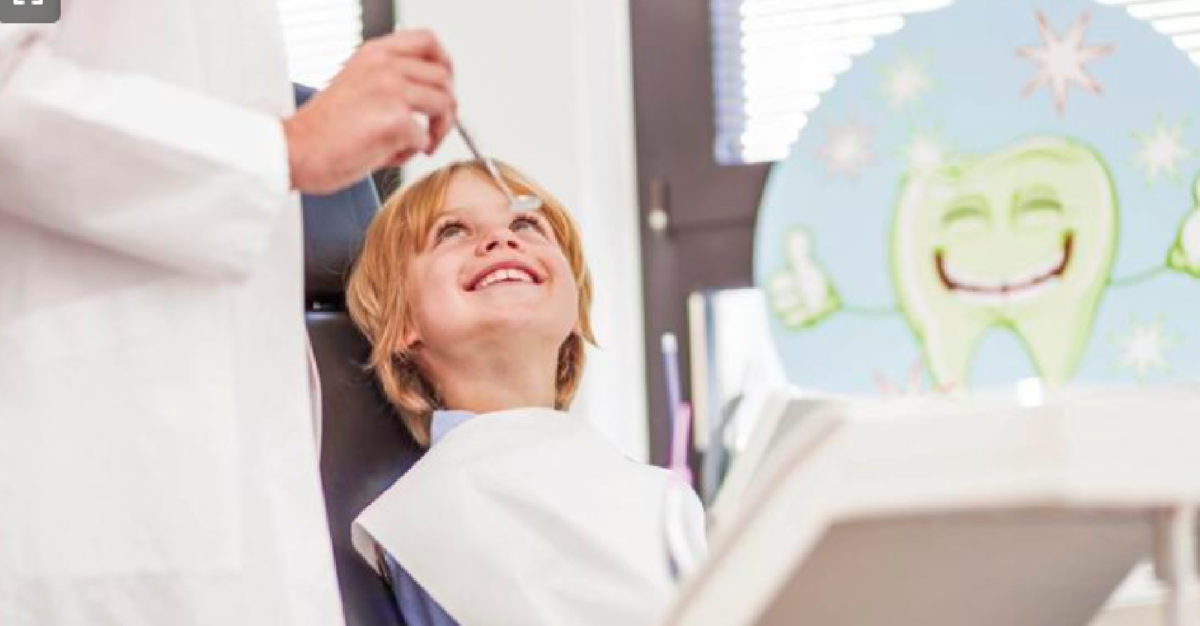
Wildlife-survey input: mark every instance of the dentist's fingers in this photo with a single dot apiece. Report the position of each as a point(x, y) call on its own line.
point(439, 127)
point(418, 43)
point(439, 109)
point(428, 73)
point(412, 135)
point(431, 102)
point(401, 158)
point(439, 79)
point(440, 106)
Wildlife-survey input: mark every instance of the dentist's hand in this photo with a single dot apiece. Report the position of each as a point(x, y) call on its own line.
point(367, 117)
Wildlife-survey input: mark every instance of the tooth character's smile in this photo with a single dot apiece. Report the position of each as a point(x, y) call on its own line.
point(1006, 289)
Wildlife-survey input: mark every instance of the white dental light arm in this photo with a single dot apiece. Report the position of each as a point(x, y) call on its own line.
point(1175, 564)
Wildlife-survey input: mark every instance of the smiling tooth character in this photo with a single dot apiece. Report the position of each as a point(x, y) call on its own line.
point(1022, 238)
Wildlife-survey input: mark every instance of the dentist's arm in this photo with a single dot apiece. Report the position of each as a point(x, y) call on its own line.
point(186, 181)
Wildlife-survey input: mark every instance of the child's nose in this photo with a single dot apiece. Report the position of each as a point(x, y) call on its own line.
point(501, 238)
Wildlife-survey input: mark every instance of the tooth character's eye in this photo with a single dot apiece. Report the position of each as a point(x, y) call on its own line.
point(1039, 207)
point(966, 215)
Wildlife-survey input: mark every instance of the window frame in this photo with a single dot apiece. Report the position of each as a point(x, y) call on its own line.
point(711, 208)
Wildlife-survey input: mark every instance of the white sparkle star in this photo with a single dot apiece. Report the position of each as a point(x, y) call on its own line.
point(1144, 347)
point(905, 80)
point(1162, 150)
point(1060, 61)
point(847, 150)
point(925, 151)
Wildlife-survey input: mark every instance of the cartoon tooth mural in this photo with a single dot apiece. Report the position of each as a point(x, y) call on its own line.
point(1024, 211)
point(1022, 238)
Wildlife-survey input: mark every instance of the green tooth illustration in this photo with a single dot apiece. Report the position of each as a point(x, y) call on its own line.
point(1022, 238)
point(1185, 254)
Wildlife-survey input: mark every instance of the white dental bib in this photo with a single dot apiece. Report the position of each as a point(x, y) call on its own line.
point(529, 517)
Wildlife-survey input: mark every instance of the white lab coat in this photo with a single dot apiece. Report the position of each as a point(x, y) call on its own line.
point(157, 465)
point(529, 517)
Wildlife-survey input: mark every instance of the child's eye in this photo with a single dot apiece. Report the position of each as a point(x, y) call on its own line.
point(527, 222)
point(450, 230)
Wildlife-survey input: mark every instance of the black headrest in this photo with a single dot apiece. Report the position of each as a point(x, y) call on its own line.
point(334, 225)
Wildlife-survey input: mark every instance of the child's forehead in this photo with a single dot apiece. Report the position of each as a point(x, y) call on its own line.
point(470, 187)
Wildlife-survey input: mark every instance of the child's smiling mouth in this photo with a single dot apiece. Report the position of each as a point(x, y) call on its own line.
point(508, 272)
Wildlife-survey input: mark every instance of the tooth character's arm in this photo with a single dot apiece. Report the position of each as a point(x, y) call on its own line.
point(801, 294)
point(1185, 254)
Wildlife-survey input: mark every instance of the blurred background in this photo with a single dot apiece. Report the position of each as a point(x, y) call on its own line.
point(849, 196)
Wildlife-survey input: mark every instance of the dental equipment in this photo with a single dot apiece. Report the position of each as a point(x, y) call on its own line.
point(520, 202)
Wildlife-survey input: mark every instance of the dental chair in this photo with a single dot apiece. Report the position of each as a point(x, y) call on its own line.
point(364, 447)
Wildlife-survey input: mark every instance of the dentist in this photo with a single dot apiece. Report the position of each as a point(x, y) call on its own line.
point(157, 464)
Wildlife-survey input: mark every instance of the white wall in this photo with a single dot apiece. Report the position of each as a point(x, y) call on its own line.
point(546, 85)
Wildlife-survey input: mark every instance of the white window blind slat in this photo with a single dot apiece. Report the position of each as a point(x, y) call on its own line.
point(319, 35)
point(772, 59)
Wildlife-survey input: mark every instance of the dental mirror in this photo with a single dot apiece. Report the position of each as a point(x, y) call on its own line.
point(520, 202)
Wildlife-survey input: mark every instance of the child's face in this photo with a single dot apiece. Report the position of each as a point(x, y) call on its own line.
point(487, 276)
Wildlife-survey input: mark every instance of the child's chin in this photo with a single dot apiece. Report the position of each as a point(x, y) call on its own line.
point(517, 322)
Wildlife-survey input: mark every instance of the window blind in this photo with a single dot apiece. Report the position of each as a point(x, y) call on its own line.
point(320, 35)
point(772, 59)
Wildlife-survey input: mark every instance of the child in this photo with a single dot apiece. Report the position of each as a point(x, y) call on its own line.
point(518, 513)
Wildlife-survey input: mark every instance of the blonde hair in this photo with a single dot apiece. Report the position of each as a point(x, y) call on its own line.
point(379, 306)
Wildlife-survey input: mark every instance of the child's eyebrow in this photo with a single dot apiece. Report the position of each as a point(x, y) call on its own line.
point(465, 209)
point(456, 213)
point(437, 220)
point(465, 212)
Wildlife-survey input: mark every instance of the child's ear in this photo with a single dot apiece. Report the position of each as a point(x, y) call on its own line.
point(410, 340)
